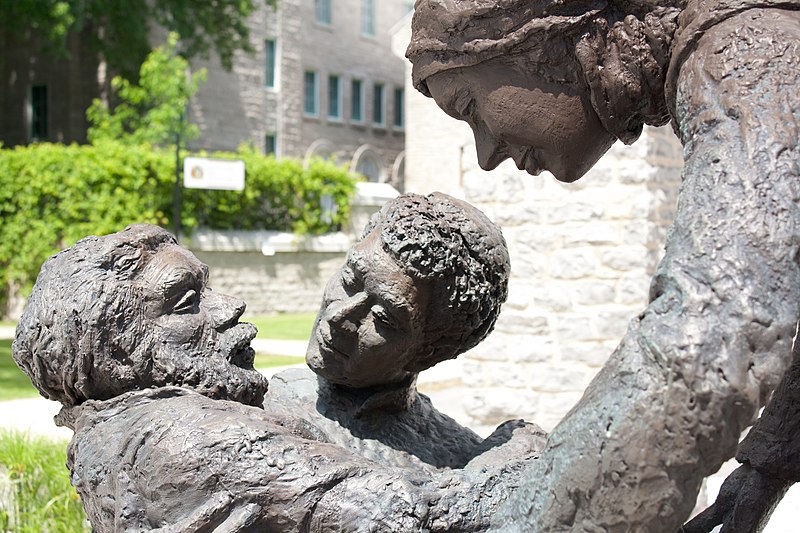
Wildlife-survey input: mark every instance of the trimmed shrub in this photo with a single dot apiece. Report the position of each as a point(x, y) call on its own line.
point(51, 195)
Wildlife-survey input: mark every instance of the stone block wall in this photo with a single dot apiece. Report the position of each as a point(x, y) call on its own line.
point(272, 272)
point(290, 282)
point(582, 255)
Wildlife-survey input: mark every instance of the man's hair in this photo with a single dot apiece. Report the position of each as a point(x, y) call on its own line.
point(79, 334)
point(462, 253)
point(84, 334)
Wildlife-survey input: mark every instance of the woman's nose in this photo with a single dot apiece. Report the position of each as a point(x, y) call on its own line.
point(491, 152)
point(225, 311)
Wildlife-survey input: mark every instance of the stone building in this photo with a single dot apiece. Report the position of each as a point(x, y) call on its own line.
point(582, 255)
point(44, 98)
point(323, 82)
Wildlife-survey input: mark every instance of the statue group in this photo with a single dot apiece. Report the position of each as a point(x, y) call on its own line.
point(175, 430)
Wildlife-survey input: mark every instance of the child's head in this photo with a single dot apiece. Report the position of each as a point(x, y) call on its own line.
point(424, 284)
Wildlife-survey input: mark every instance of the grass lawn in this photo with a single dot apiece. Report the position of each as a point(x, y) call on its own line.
point(267, 361)
point(34, 487)
point(288, 326)
point(13, 383)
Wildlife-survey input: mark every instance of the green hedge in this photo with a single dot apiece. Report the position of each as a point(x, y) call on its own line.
point(51, 195)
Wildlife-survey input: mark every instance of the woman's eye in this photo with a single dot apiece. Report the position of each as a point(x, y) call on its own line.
point(186, 302)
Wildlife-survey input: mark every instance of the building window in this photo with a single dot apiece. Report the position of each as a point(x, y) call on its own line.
point(38, 113)
point(270, 144)
point(368, 18)
point(311, 92)
point(368, 163)
point(270, 63)
point(322, 11)
point(334, 97)
point(357, 101)
point(398, 108)
point(377, 104)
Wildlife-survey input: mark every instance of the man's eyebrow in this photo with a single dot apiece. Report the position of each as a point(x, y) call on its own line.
point(183, 276)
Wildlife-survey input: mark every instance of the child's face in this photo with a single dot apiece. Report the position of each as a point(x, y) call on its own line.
point(369, 326)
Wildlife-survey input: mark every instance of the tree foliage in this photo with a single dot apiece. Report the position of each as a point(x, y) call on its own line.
point(154, 110)
point(120, 29)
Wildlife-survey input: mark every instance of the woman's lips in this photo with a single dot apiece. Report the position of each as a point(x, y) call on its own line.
point(527, 160)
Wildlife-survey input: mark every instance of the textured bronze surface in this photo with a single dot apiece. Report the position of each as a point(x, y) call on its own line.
point(551, 85)
point(156, 376)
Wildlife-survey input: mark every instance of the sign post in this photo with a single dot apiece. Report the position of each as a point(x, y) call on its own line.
point(176, 191)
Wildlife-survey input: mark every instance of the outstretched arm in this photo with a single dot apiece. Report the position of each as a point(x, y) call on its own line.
point(182, 462)
point(695, 366)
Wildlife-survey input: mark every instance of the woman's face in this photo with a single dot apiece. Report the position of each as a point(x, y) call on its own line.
point(514, 113)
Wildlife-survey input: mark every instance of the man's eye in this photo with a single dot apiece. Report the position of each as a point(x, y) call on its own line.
point(187, 302)
point(382, 317)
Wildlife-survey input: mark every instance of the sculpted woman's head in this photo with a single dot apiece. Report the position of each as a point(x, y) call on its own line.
point(424, 284)
point(128, 311)
point(550, 85)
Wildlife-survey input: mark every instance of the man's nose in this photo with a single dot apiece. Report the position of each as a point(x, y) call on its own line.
point(348, 309)
point(224, 310)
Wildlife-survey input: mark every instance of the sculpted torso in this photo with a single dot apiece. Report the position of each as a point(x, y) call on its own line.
point(669, 406)
point(166, 365)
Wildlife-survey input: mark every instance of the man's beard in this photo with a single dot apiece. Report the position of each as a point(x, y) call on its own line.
point(210, 374)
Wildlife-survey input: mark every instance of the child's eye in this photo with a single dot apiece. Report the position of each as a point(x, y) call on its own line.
point(382, 317)
point(186, 303)
point(348, 278)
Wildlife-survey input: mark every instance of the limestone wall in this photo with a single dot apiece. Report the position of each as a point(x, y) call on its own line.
point(582, 255)
point(273, 272)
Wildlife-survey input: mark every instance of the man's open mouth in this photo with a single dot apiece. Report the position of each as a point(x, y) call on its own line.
point(236, 345)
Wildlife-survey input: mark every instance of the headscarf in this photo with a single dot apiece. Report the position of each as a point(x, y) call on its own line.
point(451, 34)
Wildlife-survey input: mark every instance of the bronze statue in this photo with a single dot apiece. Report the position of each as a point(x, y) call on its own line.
point(156, 377)
point(424, 284)
point(552, 85)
